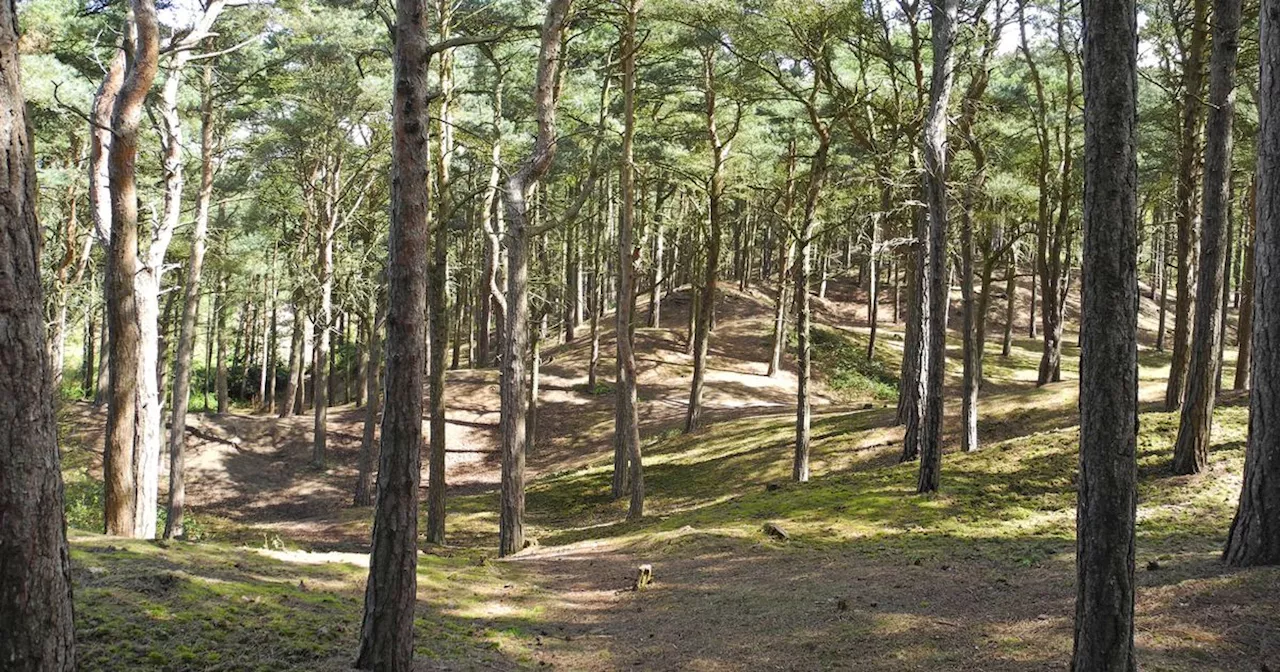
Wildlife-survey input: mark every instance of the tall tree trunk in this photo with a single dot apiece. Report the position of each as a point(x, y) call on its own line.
point(296, 345)
point(386, 631)
point(804, 314)
point(437, 285)
point(323, 330)
point(929, 405)
point(627, 425)
point(1186, 215)
point(1254, 538)
point(1191, 451)
point(715, 191)
point(1244, 329)
point(173, 526)
point(1010, 301)
point(123, 422)
point(520, 185)
point(1107, 492)
point(35, 582)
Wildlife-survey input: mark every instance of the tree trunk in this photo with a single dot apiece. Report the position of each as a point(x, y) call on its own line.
point(368, 440)
point(1186, 204)
point(1107, 492)
point(173, 526)
point(125, 420)
point(520, 185)
point(1254, 538)
point(1191, 451)
point(296, 345)
point(929, 404)
point(786, 250)
point(386, 631)
point(804, 315)
point(627, 425)
point(220, 336)
point(1244, 329)
point(35, 583)
point(323, 329)
point(715, 191)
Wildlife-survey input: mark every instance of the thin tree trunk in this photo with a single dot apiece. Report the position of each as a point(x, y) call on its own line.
point(173, 526)
point(516, 341)
point(627, 427)
point(1244, 330)
point(1191, 450)
point(368, 440)
point(1189, 158)
point(786, 250)
point(292, 389)
point(220, 337)
point(929, 404)
point(719, 155)
point(1010, 301)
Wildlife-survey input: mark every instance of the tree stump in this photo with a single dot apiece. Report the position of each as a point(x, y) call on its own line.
point(775, 531)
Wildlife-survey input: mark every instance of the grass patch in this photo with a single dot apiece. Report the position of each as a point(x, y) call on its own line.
point(184, 606)
point(844, 365)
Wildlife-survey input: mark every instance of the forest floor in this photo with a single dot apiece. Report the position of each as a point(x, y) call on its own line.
point(872, 577)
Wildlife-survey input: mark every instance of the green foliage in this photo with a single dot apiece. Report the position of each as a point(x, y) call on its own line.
point(844, 366)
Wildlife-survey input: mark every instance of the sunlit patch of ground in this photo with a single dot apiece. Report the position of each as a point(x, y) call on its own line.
point(871, 577)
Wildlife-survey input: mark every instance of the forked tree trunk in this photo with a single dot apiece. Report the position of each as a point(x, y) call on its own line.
point(1254, 538)
point(124, 424)
point(1189, 157)
point(1191, 451)
point(35, 584)
point(516, 341)
point(715, 191)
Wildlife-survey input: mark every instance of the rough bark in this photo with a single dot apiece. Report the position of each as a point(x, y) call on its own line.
point(437, 283)
point(514, 393)
point(1106, 493)
point(35, 567)
point(125, 420)
point(929, 405)
point(1191, 109)
point(804, 314)
point(1254, 538)
point(1191, 450)
point(386, 631)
